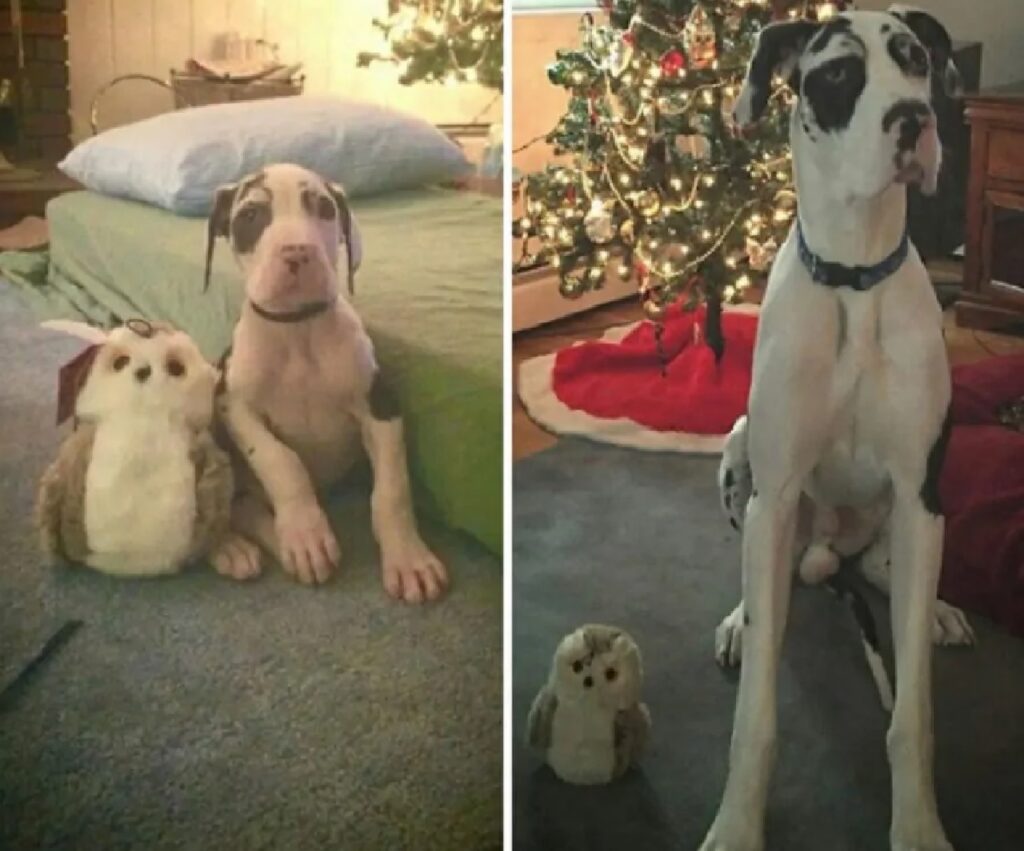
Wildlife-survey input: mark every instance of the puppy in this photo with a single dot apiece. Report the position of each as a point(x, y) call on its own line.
point(302, 388)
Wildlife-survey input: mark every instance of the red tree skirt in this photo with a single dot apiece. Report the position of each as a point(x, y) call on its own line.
point(614, 389)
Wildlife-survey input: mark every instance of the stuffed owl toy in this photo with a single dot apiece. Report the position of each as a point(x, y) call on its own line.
point(139, 487)
point(588, 719)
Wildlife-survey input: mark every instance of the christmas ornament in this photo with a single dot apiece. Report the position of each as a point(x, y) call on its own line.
point(571, 288)
point(648, 203)
point(598, 223)
point(620, 54)
point(699, 38)
point(760, 255)
point(672, 62)
point(626, 231)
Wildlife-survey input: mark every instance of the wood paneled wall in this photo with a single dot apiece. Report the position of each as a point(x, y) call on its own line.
point(112, 37)
point(536, 103)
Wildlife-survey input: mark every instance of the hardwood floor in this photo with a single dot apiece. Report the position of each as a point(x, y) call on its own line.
point(964, 346)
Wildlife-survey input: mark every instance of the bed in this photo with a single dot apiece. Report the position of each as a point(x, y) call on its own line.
point(429, 291)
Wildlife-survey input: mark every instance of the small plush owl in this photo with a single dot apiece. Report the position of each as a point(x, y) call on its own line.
point(139, 487)
point(588, 719)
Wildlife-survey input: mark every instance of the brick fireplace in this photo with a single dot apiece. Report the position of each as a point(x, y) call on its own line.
point(38, 104)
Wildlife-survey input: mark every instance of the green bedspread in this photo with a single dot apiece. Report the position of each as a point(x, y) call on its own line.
point(429, 291)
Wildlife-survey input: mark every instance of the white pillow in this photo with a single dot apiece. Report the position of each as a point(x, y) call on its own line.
point(178, 159)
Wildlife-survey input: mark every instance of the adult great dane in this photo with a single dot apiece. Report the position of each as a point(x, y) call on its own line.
point(848, 409)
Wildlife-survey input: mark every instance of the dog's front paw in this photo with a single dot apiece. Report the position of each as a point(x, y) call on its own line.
point(916, 827)
point(729, 639)
point(951, 626)
point(411, 571)
point(238, 558)
point(940, 844)
point(932, 839)
point(742, 837)
point(306, 546)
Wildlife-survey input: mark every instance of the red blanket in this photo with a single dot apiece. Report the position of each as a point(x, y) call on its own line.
point(983, 495)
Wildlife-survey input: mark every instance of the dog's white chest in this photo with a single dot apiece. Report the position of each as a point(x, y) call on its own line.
point(582, 744)
point(304, 383)
point(851, 470)
point(140, 501)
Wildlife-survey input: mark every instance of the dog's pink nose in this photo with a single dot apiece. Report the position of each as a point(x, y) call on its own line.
point(296, 255)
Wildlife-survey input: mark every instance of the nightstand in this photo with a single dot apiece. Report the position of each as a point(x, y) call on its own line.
point(29, 196)
point(993, 294)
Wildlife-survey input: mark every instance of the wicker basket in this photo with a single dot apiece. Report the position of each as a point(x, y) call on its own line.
point(195, 90)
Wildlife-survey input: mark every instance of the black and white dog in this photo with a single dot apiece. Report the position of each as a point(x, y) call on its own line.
point(847, 418)
point(303, 393)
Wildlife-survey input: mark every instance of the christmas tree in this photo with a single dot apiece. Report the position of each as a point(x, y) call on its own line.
point(443, 41)
point(660, 189)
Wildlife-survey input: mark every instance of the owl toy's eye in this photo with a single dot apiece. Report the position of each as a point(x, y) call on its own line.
point(120, 362)
point(577, 666)
point(610, 674)
point(175, 367)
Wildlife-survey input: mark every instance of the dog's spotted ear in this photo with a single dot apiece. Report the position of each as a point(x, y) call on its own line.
point(778, 50)
point(219, 224)
point(936, 40)
point(349, 233)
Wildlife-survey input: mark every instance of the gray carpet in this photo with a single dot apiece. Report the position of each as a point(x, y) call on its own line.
point(618, 536)
point(197, 713)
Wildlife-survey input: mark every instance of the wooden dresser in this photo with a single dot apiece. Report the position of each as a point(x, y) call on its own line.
point(993, 293)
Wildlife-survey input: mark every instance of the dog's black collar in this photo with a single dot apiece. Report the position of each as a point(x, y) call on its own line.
point(859, 278)
point(307, 311)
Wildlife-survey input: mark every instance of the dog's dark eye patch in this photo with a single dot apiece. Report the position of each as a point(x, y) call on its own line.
point(577, 666)
point(833, 89)
point(326, 209)
point(909, 56)
point(318, 205)
point(248, 223)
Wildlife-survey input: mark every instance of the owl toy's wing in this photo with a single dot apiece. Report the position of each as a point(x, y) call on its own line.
point(60, 501)
point(632, 727)
point(540, 719)
point(215, 484)
point(49, 499)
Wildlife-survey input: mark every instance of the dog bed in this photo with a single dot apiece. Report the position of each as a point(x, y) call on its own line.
point(429, 291)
